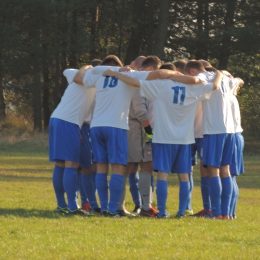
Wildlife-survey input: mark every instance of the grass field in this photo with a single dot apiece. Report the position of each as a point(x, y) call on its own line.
point(29, 228)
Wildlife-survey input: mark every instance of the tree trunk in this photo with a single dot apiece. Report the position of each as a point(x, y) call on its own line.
point(137, 31)
point(225, 48)
point(162, 28)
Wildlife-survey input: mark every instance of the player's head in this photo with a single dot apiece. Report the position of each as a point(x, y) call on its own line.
point(137, 63)
point(194, 67)
point(205, 63)
point(168, 66)
point(112, 60)
point(227, 74)
point(180, 65)
point(95, 62)
point(151, 63)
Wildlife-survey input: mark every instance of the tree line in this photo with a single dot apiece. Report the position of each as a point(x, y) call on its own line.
point(39, 39)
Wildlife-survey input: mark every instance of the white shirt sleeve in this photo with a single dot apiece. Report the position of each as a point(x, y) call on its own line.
point(150, 88)
point(69, 74)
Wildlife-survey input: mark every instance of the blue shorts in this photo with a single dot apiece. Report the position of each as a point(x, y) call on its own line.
point(64, 141)
point(85, 159)
point(237, 167)
point(109, 145)
point(218, 149)
point(196, 148)
point(174, 158)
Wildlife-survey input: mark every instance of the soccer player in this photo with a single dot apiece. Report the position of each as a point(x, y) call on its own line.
point(64, 142)
point(87, 170)
point(139, 149)
point(174, 111)
point(218, 139)
point(237, 166)
point(180, 65)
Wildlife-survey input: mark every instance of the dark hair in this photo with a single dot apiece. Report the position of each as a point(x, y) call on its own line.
point(153, 61)
point(193, 64)
point(180, 65)
point(168, 66)
point(95, 62)
point(112, 60)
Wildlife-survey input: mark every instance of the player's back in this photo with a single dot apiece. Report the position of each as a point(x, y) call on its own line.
point(174, 109)
point(76, 102)
point(217, 113)
point(113, 98)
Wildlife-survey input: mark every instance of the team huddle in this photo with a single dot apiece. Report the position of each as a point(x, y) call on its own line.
point(144, 118)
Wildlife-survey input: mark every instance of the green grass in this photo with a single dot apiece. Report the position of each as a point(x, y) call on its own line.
point(31, 230)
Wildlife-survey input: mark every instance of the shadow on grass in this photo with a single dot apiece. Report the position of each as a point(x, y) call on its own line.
point(12, 178)
point(29, 213)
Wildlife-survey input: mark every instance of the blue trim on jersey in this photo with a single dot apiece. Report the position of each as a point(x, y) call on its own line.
point(64, 141)
point(172, 158)
point(196, 149)
point(237, 167)
point(85, 159)
point(109, 145)
point(218, 149)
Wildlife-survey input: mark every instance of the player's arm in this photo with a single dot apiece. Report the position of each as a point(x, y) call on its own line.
point(126, 79)
point(217, 81)
point(78, 78)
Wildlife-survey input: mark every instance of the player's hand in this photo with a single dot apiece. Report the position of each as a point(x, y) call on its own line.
point(109, 73)
point(149, 138)
point(125, 69)
point(86, 67)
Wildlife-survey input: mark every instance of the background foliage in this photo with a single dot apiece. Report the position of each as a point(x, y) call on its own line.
point(39, 39)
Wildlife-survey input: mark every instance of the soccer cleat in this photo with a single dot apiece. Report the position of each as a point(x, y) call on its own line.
point(59, 209)
point(234, 216)
point(124, 212)
point(151, 213)
point(226, 217)
point(136, 210)
point(96, 211)
point(166, 215)
point(202, 213)
point(86, 207)
point(78, 212)
point(179, 216)
point(154, 209)
point(210, 216)
point(106, 213)
point(188, 212)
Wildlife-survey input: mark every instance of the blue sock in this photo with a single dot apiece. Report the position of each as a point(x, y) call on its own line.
point(189, 207)
point(184, 194)
point(133, 183)
point(83, 196)
point(102, 188)
point(115, 188)
point(162, 193)
point(215, 190)
point(88, 187)
point(57, 181)
point(227, 187)
point(204, 186)
point(94, 180)
point(236, 190)
point(70, 183)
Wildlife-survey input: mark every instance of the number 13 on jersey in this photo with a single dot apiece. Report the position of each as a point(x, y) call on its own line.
point(179, 95)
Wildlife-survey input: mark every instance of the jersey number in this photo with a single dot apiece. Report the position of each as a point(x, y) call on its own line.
point(110, 82)
point(178, 98)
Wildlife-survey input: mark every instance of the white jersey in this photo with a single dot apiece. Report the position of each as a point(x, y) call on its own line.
point(174, 109)
point(77, 102)
point(217, 113)
point(113, 97)
point(236, 114)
